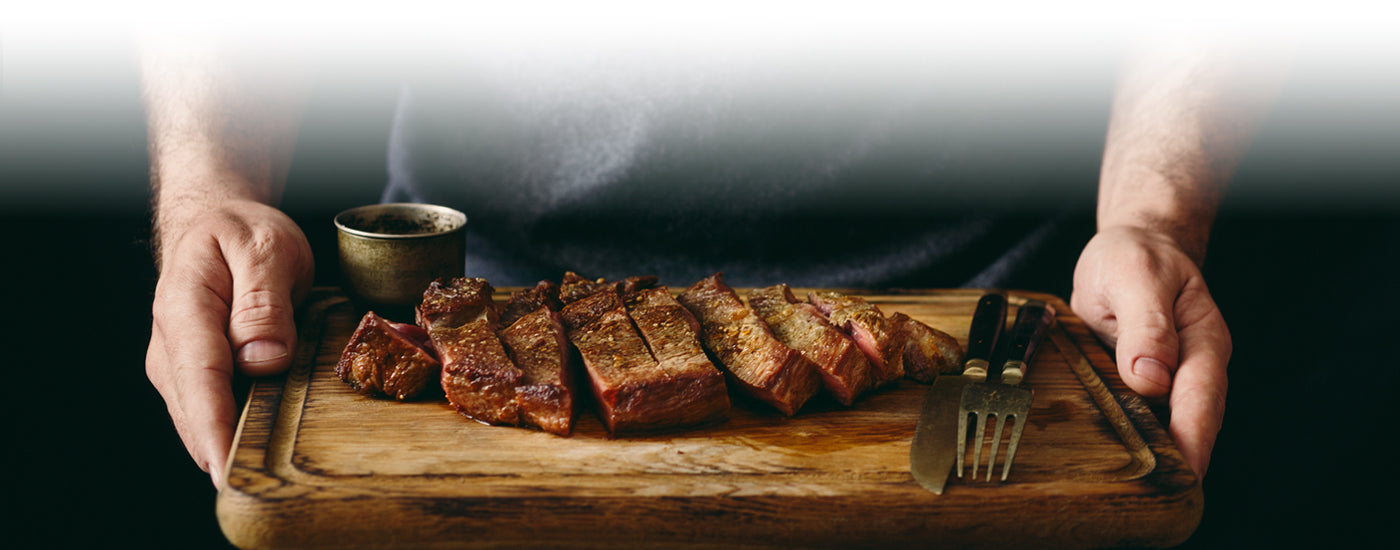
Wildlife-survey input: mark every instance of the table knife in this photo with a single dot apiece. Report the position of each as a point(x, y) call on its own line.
point(934, 449)
point(1032, 320)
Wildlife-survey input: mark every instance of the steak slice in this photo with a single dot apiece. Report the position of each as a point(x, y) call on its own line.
point(637, 284)
point(844, 369)
point(456, 303)
point(384, 358)
point(696, 387)
point(872, 332)
point(573, 287)
point(525, 301)
point(744, 345)
point(928, 351)
point(477, 375)
point(634, 394)
point(545, 395)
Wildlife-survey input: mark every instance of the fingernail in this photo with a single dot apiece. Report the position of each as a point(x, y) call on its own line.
point(1153, 370)
point(261, 351)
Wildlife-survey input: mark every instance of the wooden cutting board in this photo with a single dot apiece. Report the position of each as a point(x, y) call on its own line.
point(317, 465)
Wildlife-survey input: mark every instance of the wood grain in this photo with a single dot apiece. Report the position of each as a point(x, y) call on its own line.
point(317, 465)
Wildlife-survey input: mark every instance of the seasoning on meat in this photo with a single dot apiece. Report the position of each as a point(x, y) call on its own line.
point(872, 332)
point(384, 358)
point(456, 303)
point(526, 300)
point(573, 287)
point(545, 394)
point(477, 374)
point(845, 371)
point(746, 348)
point(928, 351)
point(696, 386)
point(633, 392)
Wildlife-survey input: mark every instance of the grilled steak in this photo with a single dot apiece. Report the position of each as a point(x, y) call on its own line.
point(456, 303)
point(525, 301)
point(927, 350)
point(695, 388)
point(745, 346)
point(574, 287)
point(477, 374)
point(634, 393)
point(872, 332)
point(545, 394)
point(636, 284)
point(845, 371)
point(384, 358)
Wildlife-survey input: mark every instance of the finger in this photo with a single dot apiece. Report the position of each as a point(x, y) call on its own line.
point(262, 330)
point(1198, 395)
point(157, 370)
point(1147, 345)
point(192, 366)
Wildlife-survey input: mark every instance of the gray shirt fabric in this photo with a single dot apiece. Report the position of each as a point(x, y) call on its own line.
point(813, 177)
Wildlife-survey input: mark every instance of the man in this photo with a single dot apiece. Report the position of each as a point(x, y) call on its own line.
point(233, 267)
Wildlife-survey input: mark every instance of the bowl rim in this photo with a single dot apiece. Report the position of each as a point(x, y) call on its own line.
point(459, 219)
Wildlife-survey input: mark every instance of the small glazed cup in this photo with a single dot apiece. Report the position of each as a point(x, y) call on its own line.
point(390, 252)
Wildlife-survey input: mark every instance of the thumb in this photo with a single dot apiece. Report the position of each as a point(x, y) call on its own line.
point(269, 277)
point(1148, 345)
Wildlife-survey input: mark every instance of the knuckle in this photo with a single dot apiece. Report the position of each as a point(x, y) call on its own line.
point(263, 246)
point(1139, 260)
point(260, 309)
point(263, 241)
point(1150, 328)
point(256, 239)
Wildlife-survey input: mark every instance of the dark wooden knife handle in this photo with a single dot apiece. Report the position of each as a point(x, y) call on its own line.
point(1032, 320)
point(987, 322)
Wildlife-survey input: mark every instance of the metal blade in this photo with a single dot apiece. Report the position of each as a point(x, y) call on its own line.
point(934, 449)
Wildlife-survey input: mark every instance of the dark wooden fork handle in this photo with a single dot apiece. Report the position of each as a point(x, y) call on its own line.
point(1032, 320)
point(987, 322)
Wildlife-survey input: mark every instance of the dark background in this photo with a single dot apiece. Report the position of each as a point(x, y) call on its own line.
point(1302, 262)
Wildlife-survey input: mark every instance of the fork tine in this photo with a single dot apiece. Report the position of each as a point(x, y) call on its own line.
point(980, 431)
point(996, 444)
point(1016, 430)
point(1001, 396)
point(962, 438)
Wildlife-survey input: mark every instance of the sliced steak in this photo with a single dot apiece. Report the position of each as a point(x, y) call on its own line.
point(456, 303)
point(928, 351)
point(695, 389)
point(525, 301)
point(633, 392)
point(573, 287)
point(637, 284)
point(545, 395)
point(747, 349)
point(384, 358)
point(477, 374)
point(872, 332)
point(844, 369)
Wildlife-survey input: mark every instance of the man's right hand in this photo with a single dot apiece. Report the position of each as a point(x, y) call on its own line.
point(230, 279)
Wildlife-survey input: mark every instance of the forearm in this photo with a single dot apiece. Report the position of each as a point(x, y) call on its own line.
point(1182, 118)
point(221, 127)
